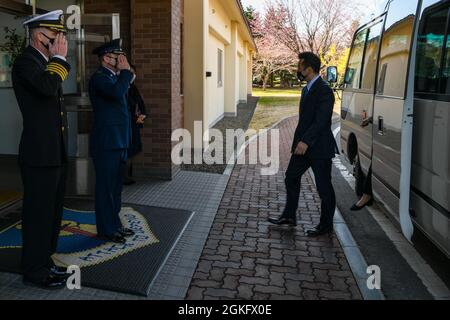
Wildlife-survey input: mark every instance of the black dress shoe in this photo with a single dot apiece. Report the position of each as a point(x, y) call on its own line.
point(50, 283)
point(357, 208)
point(126, 232)
point(283, 221)
point(319, 231)
point(116, 238)
point(60, 272)
point(129, 182)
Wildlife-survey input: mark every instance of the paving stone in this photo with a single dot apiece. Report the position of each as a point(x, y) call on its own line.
point(220, 293)
point(333, 295)
point(310, 294)
point(254, 280)
point(284, 297)
point(293, 287)
point(255, 260)
point(195, 293)
point(261, 296)
point(277, 279)
point(245, 291)
point(217, 274)
point(206, 283)
point(230, 282)
point(240, 272)
point(269, 289)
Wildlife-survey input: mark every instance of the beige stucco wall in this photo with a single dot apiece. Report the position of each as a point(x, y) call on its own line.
point(210, 25)
point(195, 52)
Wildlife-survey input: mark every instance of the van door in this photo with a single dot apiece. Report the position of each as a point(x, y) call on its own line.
point(390, 100)
point(430, 197)
point(357, 102)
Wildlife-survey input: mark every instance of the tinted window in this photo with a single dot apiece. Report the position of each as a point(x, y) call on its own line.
point(371, 56)
point(429, 55)
point(353, 73)
point(395, 48)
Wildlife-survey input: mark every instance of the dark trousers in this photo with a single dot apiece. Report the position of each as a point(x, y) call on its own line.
point(110, 167)
point(322, 172)
point(368, 183)
point(43, 205)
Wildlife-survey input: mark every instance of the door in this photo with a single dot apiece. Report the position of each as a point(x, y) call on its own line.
point(389, 104)
point(358, 96)
point(431, 149)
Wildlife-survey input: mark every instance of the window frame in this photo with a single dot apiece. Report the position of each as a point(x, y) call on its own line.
point(378, 20)
point(363, 28)
point(411, 52)
point(381, 21)
point(426, 13)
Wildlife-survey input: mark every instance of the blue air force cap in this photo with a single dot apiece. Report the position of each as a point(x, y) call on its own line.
point(114, 46)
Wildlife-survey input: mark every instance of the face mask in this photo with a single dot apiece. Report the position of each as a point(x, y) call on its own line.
point(113, 64)
point(301, 76)
point(51, 41)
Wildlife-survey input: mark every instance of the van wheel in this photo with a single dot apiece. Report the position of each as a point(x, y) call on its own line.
point(360, 178)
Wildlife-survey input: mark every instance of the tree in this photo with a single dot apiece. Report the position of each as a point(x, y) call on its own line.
point(271, 57)
point(249, 13)
point(322, 27)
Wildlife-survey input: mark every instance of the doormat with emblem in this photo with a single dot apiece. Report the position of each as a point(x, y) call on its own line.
point(128, 268)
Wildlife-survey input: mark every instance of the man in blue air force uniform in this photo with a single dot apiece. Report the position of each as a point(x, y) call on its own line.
point(37, 75)
point(111, 137)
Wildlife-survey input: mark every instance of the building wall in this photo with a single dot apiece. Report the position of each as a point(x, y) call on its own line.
point(210, 25)
point(155, 40)
point(151, 30)
point(194, 55)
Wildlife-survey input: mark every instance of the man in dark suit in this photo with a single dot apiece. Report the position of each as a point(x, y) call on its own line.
point(110, 138)
point(37, 77)
point(314, 146)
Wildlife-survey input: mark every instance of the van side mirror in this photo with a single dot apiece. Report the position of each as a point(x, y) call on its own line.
point(332, 73)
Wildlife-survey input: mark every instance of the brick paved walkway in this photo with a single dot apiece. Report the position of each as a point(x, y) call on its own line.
point(246, 258)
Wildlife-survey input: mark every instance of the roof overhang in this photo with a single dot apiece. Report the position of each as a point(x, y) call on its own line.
point(236, 11)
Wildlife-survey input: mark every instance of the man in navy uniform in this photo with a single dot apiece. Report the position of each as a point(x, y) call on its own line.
point(314, 147)
point(111, 137)
point(38, 74)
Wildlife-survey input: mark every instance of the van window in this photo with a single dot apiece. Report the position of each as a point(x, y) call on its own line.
point(429, 54)
point(353, 73)
point(371, 56)
point(395, 48)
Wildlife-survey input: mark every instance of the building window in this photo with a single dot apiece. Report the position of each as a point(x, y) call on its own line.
point(220, 68)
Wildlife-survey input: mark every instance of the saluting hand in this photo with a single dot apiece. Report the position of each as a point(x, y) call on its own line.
point(59, 47)
point(122, 63)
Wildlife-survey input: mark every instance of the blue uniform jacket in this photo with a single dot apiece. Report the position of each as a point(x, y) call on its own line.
point(112, 124)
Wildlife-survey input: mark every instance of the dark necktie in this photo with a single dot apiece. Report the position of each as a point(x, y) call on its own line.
point(305, 92)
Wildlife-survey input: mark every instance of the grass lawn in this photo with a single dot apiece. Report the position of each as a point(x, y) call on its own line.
point(273, 106)
point(277, 104)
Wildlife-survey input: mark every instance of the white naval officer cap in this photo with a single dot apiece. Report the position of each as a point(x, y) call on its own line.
point(53, 20)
